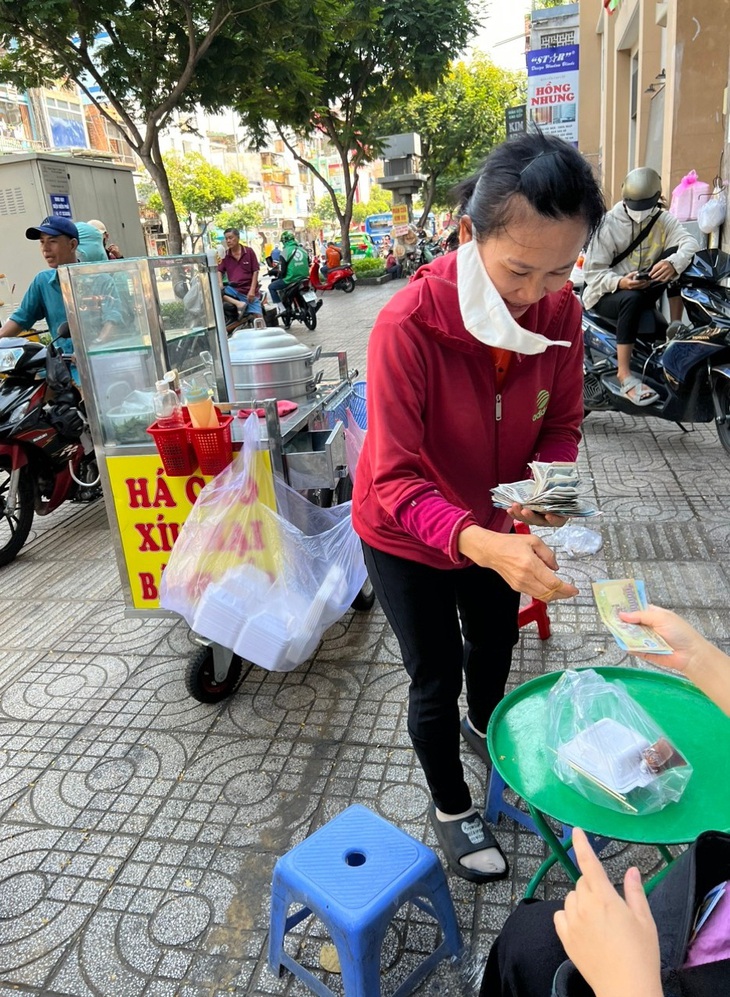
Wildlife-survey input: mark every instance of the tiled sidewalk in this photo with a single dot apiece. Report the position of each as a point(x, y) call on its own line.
point(140, 828)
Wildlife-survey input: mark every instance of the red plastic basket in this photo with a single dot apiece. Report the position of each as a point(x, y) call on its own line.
point(173, 446)
point(213, 446)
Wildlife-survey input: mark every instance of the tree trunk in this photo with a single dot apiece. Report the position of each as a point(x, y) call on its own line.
point(429, 192)
point(155, 167)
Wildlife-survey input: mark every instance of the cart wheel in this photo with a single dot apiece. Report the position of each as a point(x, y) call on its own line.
point(200, 677)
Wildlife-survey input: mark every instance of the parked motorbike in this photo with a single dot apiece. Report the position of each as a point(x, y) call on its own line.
point(340, 278)
point(46, 453)
point(689, 369)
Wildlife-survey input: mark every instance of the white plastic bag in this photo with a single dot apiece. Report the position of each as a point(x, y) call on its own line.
point(263, 582)
point(712, 213)
point(354, 439)
point(577, 540)
point(608, 749)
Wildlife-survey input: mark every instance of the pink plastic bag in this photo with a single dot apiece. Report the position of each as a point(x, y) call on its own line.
point(686, 196)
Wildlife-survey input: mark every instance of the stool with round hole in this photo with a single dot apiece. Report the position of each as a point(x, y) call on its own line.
point(354, 874)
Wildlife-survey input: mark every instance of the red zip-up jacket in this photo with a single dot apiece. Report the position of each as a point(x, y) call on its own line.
point(439, 435)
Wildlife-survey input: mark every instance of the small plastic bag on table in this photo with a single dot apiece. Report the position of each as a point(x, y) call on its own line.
point(608, 749)
point(265, 583)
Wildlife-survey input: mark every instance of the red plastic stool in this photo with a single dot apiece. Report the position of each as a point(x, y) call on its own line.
point(536, 610)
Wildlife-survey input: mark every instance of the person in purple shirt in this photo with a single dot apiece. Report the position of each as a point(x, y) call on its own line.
point(241, 267)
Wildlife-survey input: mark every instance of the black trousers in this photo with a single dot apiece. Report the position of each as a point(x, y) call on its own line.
point(626, 306)
point(526, 954)
point(447, 621)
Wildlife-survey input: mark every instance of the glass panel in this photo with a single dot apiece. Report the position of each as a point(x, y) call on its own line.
point(111, 318)
point(187, 318)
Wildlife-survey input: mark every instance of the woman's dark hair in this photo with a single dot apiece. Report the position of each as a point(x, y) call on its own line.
point(547, 172)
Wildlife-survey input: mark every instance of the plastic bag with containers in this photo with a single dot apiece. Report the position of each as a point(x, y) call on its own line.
point(607, 748)
point(263, 572)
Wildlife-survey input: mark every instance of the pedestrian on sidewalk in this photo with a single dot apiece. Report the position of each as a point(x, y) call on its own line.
point(475, 368)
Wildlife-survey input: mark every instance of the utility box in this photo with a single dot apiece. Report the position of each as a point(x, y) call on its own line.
point(34, 185)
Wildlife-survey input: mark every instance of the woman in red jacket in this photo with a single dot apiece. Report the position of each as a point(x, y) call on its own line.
point(474, 370)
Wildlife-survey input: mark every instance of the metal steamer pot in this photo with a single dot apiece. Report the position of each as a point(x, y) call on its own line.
point(271, 363)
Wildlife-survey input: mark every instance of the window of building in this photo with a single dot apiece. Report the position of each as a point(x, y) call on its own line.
point(633, 108)
point(557, 38)
point(66, 119)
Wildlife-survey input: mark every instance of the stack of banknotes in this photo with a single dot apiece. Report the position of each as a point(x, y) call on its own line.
point(554, 488)
point(627, 595)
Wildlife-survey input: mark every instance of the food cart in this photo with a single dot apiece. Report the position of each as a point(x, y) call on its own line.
point(167, 327)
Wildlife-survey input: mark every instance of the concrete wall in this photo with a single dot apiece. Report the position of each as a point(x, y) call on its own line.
point(679, 123)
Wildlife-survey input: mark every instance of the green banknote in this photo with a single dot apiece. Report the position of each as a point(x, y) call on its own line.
point(617, 595)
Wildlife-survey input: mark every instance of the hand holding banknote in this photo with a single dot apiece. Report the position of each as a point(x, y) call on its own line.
point(618, 596)
point(683, 639)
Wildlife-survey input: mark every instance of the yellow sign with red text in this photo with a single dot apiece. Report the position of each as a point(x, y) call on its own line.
point(151, 509)
point(400, 214)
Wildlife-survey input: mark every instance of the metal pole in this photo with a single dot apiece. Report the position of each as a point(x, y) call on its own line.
point(220, 323)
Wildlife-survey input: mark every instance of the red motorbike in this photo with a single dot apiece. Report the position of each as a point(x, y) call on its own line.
point(46, 453)
point(340, 278)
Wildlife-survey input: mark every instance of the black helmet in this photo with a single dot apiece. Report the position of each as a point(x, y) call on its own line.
point(641, 189)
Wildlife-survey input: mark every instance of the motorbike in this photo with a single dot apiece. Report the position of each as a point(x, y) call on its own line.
point(688, 365)
point(46, 453)
point(299, 301)
point(340, 278)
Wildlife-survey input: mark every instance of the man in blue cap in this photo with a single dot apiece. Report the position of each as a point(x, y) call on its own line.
point(59, 239)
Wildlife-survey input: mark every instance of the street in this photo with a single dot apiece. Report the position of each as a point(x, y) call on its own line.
point(140, 827)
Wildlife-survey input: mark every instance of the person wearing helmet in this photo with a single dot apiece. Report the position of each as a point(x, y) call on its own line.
point(631, 261)
point(293, 266)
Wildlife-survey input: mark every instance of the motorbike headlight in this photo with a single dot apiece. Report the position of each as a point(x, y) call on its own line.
point(19, 413)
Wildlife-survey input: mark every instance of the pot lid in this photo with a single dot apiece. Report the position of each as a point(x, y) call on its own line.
point(250, 345)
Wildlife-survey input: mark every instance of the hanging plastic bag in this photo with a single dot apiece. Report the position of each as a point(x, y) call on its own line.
point(712, 213)
point(265, 583)
point(608, 749)
point(354, 439)
point(685, 201)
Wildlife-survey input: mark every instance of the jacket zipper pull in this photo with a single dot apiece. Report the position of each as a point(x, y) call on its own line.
point(498, 407)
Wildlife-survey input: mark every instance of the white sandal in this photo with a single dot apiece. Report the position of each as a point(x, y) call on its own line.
point(642, 395)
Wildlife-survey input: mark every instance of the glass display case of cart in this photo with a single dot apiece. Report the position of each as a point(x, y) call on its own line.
point(131, 321)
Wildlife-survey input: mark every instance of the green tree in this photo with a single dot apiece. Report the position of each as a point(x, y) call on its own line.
point(243, 215)
point(372, 53)
point(199, 190)
point(459, 121)
point(545, 4)
point(139, 61)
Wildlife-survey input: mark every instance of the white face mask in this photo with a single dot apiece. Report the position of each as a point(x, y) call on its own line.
point(638, 216)
point(484, 313)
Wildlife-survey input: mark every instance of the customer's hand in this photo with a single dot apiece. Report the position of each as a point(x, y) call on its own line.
point(526, 563)
point(685, 640)
point(612, 941)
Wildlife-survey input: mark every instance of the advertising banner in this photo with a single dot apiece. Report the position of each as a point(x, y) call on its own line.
point(151, 508)
point(515, 120)
point(552, 91)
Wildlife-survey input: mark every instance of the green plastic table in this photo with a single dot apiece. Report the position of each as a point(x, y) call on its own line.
point(516, 739)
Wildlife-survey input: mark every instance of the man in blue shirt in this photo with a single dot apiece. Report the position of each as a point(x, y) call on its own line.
point(59, 239)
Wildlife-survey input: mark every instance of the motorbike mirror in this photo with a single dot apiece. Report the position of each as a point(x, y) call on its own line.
point(63, 331)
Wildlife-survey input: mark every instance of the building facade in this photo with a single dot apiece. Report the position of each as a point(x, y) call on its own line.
point(654, 83)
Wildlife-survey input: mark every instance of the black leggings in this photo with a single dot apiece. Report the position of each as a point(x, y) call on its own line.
point(424, 606)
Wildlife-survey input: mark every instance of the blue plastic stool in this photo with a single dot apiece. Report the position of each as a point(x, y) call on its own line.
point(354, 874)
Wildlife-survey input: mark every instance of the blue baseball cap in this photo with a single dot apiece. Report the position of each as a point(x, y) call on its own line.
point(53, 225)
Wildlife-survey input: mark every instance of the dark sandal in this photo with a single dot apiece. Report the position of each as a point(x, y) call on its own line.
point(456, 843)
point(477, 744)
